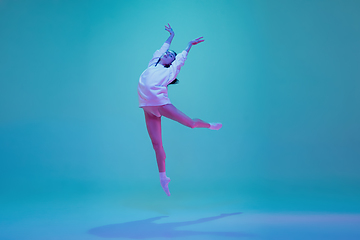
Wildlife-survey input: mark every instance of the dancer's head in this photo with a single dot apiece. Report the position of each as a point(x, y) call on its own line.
point(167, 58)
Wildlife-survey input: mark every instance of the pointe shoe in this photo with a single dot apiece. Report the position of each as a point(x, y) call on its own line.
point(164, 184)
point(215, 126)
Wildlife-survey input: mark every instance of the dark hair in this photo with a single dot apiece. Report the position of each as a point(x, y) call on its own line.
point(175, 81)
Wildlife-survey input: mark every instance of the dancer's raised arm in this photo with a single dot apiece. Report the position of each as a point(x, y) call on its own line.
point(193, 42)
point(172, 34)
point(158, 53)
point(180, 58)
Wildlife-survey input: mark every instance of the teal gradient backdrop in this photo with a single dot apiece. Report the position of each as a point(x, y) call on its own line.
point(282, 77)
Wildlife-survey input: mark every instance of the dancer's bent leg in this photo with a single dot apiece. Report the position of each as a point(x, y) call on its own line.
point(153, 125)
point(170, 111)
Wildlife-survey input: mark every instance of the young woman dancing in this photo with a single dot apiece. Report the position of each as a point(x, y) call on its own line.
point(153, 98)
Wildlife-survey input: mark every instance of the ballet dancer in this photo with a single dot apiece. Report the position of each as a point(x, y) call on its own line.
point(153, 98)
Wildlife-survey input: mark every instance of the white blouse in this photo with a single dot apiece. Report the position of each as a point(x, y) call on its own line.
point(153, 82)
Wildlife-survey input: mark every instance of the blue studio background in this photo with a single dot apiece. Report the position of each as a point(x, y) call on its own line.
point(282, 77)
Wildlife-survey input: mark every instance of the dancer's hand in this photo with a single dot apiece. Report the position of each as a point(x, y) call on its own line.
point(169, 29)
point(172, 34)
point(196, 41)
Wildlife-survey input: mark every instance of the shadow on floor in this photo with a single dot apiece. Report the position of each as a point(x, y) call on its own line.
point(148, 229)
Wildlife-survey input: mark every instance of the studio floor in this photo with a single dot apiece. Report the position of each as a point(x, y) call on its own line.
point(139, 217)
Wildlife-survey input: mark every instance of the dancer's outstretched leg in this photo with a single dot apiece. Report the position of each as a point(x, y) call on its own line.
point(170, 111)
point(153, 125)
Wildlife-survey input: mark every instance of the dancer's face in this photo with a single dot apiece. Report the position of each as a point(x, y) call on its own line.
point(167, 58)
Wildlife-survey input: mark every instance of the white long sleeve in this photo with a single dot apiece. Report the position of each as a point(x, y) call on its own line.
point(177, 64)
point(158, 54)
point(153, 82)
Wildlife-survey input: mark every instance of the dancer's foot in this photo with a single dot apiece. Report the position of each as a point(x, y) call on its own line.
point(215, 126)
point(164, 183)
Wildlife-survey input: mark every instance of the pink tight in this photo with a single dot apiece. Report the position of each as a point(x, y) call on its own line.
point(153, 124)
